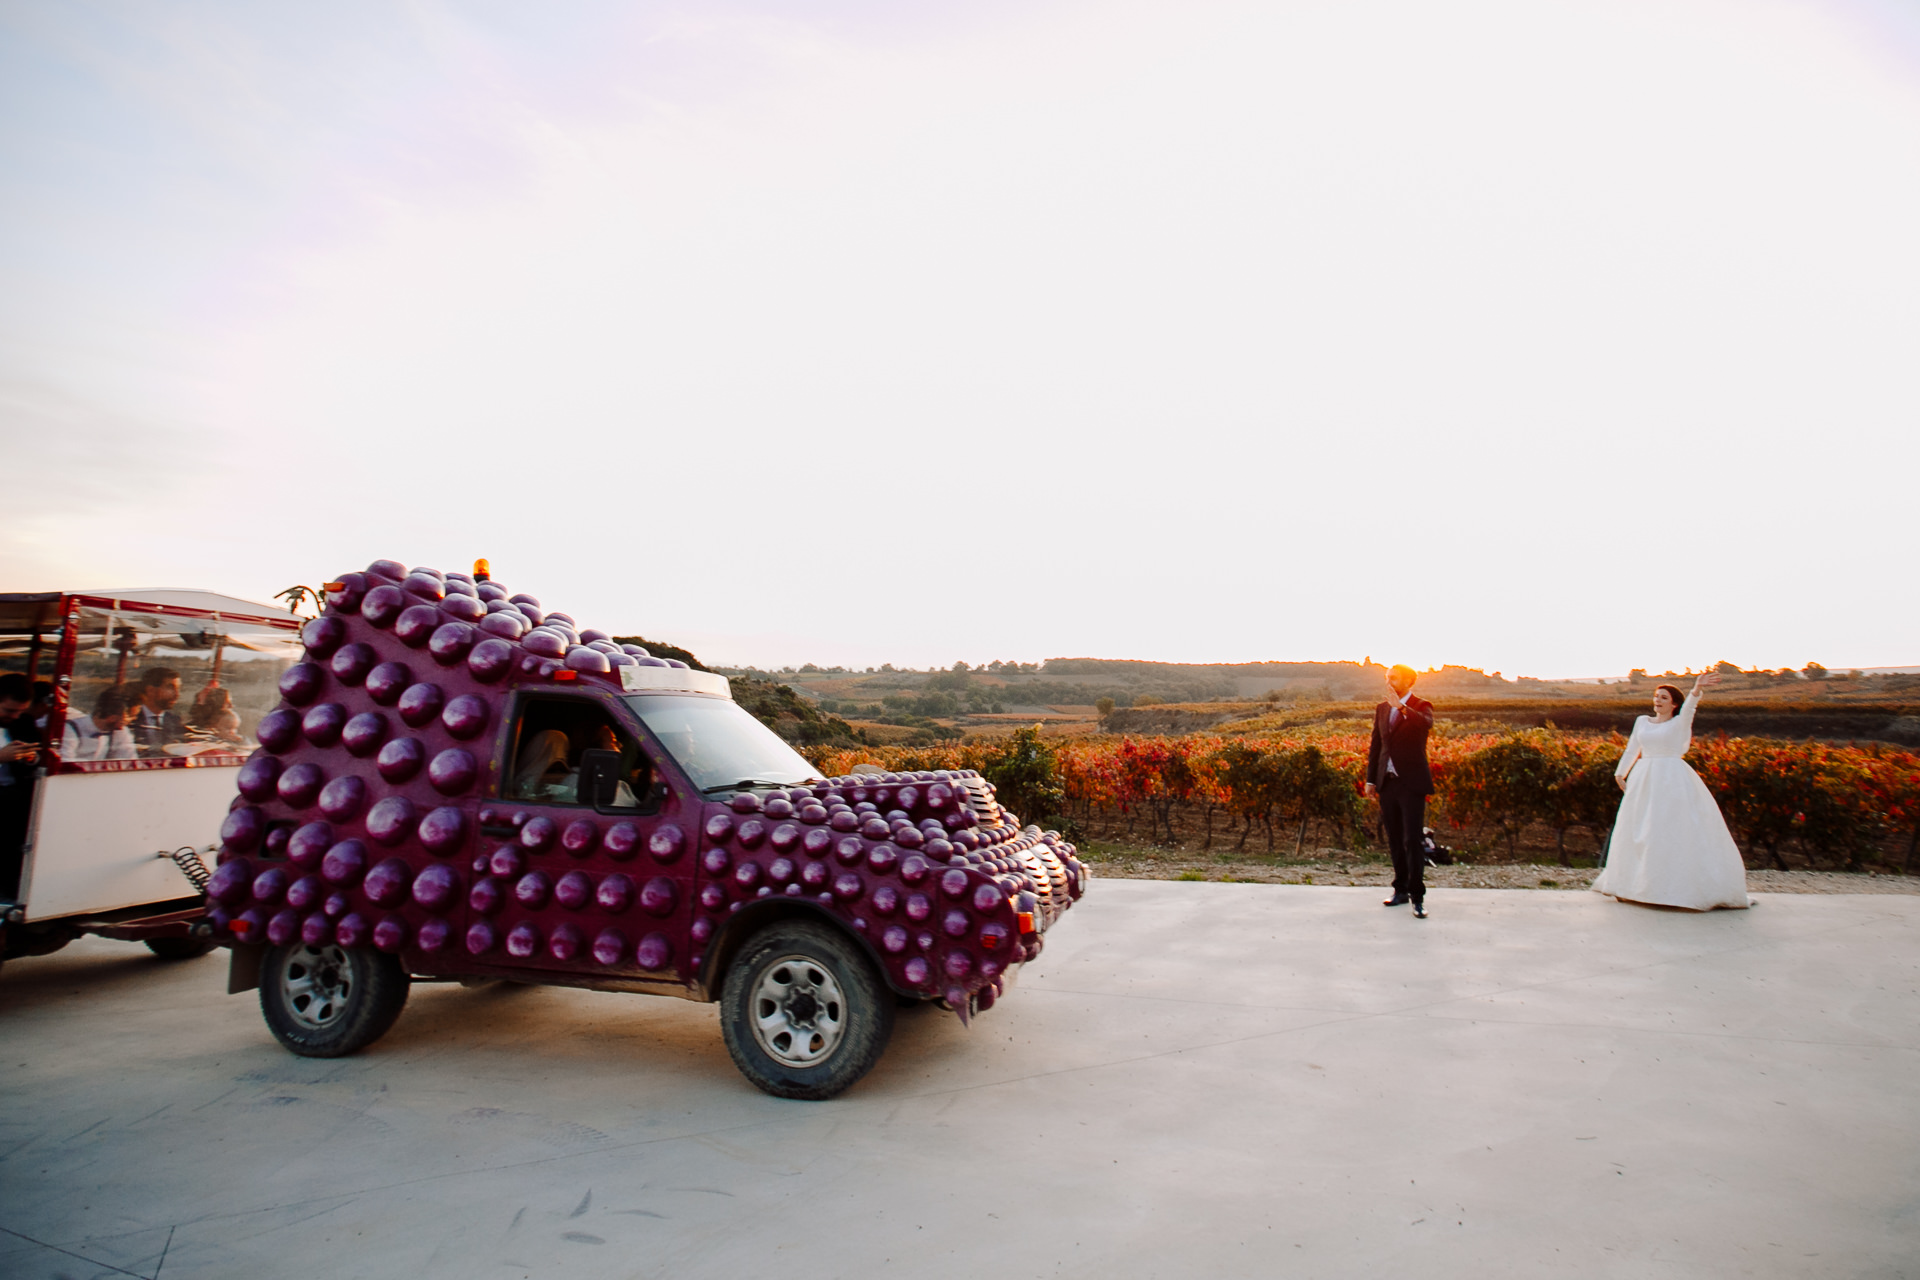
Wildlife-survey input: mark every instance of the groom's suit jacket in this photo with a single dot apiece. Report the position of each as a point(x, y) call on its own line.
point(1404, 743)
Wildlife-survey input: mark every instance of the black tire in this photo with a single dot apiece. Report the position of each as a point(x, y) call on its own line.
point(180, 948)
point(330, 1001)
point(802, 1011)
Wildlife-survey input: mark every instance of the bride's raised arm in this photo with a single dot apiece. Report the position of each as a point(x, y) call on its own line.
point(1692, 704)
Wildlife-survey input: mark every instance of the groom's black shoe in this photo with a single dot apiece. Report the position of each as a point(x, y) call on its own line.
point(1397, 900)
point(1419, 911)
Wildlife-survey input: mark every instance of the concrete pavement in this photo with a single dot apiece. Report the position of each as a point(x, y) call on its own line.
point(1195, 1079)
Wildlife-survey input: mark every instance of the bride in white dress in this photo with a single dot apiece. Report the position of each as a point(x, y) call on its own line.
point(1670, 845)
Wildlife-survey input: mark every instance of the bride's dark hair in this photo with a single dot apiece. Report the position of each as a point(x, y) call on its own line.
point(1673, 691)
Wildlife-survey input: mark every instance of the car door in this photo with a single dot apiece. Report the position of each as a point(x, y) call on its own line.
point(563, 883)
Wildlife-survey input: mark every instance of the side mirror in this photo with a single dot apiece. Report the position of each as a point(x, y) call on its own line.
point(599, 777)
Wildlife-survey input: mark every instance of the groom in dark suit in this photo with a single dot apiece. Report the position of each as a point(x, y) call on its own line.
point(1398, 775)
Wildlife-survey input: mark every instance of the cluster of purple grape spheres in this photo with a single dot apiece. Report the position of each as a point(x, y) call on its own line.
point(362, 820)
point(948, 901)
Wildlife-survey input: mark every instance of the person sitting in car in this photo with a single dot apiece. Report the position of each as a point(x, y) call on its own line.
point(156, 725)
point(101, 736)
point(549, 768)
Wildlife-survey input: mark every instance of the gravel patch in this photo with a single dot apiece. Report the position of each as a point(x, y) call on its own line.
point(1333, 868)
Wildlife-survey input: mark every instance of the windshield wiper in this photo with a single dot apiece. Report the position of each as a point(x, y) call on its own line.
point(746, 784)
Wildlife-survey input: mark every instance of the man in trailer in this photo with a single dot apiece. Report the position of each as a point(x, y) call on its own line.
point(156, 725)
point(101, 736)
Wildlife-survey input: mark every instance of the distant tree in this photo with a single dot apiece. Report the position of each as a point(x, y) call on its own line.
point(1104, 706)
point(1025, 773)
point(1814, 671)
point(1726, 668)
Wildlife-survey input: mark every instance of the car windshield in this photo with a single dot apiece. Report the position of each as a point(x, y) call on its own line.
point(718, 743)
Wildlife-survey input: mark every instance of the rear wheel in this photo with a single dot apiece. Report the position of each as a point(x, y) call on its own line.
point(180, 948)
point(329, 1001)
point(803, 1013)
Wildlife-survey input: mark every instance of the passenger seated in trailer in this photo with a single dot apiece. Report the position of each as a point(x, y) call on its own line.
point(213, 715)
point(104, 734)
point(19, 761)
point(155, 723)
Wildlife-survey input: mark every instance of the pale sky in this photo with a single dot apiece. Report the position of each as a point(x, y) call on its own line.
point(1549, 337)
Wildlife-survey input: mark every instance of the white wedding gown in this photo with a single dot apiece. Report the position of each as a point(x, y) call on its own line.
point(1670, 845)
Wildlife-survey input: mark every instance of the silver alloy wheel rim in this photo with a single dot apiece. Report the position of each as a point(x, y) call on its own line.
point(798, 1012)
point(316, 984)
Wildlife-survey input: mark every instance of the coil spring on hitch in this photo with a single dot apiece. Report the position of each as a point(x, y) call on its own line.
point(187, 858)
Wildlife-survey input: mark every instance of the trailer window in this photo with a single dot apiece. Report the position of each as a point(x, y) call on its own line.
point(170, 686)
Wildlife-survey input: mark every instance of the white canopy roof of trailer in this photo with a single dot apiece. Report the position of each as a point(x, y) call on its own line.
point(21, 611)
point(191, 598)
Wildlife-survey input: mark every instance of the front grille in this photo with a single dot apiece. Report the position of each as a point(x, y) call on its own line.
point(1049, 877)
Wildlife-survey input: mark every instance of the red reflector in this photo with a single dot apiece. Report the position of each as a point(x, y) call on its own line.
point(238, 926)
point(988, 941)
point(1026, 921)
point(333, 586)
point(566, 673)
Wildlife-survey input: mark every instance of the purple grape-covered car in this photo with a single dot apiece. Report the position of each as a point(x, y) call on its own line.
point(458, 784)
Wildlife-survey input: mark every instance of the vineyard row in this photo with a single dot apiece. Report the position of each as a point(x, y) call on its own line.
point(1787, 803)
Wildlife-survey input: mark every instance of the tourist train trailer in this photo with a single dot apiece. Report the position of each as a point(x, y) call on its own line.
point(459, 785)
point(109, 839)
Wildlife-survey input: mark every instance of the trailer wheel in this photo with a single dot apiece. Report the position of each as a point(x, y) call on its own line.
point(180, 948)
point(803, 1013)
point(329, 1001)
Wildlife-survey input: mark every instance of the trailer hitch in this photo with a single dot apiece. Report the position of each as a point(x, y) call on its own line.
point(187, 858)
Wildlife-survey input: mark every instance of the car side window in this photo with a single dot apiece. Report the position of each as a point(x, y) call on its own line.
point(551, 738)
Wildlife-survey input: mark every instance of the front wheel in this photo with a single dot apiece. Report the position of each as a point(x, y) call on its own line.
point(803, 1013)
point(329, 1001)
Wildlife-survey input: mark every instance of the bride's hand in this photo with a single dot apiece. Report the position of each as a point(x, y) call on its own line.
point(1621, 781)
point(1706, 678)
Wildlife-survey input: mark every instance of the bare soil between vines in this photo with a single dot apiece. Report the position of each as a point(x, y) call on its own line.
point(1328, 866)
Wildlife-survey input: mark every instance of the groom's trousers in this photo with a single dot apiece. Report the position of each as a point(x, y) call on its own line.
point(1403, 811)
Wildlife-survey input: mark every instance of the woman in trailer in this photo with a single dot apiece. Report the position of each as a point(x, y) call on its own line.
point(213, 715)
